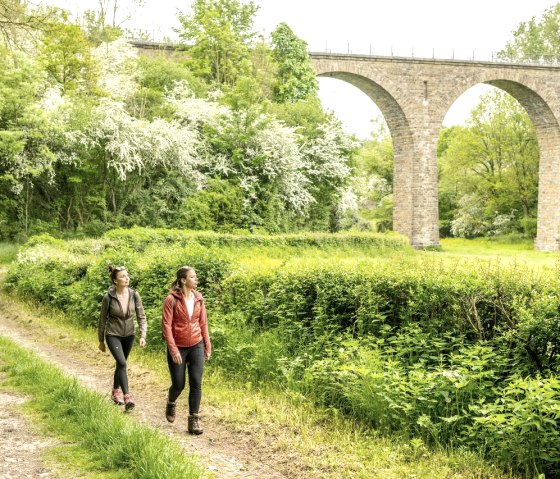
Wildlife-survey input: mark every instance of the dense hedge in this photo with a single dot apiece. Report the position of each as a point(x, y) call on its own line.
point(457, 357)
point(453, 355)
point(385, 297)
point(76, 283)
point(138, 238)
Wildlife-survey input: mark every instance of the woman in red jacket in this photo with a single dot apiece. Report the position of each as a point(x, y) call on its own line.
point(185, 330)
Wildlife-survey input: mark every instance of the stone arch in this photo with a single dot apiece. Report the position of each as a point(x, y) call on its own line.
point(548, 138)
point(415, 94)
point(547, 131)
point(402, 138)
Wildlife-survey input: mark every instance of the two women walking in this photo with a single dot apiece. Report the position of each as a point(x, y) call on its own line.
point(185, 330)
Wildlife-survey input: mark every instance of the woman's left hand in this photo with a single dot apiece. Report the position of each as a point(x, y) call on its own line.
point(142, 342)
point(207, 355)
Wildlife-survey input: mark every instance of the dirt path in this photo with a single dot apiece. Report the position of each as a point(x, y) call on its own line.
point(228, 454)
point(20, 447)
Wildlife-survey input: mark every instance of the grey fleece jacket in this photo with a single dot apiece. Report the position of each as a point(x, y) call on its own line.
point(113, 321)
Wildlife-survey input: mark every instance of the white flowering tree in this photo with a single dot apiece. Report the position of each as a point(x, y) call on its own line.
point(118, 73)
point(255, 152)
point(130, 150)
point(31, 140)
point(215, 159)
point(327, 156)
point(135, 145)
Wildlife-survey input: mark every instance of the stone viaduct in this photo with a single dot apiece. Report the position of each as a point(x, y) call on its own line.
point(414, 96)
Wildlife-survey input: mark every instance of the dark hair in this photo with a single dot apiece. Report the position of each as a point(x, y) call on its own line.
point(113, 271)
point(182, 272)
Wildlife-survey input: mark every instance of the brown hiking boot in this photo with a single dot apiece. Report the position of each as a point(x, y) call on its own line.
point(128, 402)
point(117, 396)
point(194, 427)
point(170, 411)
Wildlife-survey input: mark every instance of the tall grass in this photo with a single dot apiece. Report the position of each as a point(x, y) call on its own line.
point(8, 252)
point(506, 252)
point(116, 442)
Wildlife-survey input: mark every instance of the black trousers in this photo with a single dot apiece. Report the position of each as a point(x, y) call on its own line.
point(120, 349)
point(193, 362)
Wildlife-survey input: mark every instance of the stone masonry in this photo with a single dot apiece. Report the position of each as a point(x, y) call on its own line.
point(414, 96)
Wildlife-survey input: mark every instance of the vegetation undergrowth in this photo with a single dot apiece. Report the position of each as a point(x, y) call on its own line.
point(509, 252)
point(323, 437)
point(415, 345)
point(114, 441)
point(75, 460)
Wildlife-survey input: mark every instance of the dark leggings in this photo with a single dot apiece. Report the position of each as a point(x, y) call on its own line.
point(120, 348)
point(193, 359)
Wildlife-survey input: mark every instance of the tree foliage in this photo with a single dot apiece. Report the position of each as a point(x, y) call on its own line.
point(489, 170)
point(536, 40)
point(295, 77)
point(20, 24)
point(373, 181)
point(217, 35)
point(93, 137)
point(66, 57)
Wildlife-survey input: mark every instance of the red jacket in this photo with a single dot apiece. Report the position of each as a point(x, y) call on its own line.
point(178, 329)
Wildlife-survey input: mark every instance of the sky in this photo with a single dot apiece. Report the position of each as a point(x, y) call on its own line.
point(461, 29)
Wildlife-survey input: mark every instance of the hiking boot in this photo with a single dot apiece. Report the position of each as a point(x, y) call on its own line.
point(170, 411)
point(128, 402)
point(194, 427)
point(117, 396)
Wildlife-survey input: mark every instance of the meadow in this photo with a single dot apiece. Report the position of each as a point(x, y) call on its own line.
point(455, 348)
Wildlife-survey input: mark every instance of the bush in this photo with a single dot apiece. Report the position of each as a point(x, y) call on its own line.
point(422, 351)
point(521, 427)
point(140, 238)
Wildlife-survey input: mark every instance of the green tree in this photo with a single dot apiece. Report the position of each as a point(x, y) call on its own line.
point(264, 69)
point(306, 115)
point(20, 25)
point(65, 56)
point(492, 166)
point(219, 206)
point(31, 143)
point(217, 35)
point(295, 77)
point(536, 40)
point(447, 190)
point(373, 178)
point(157, 76)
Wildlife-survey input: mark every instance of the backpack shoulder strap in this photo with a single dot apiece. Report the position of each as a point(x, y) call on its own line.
point(134, 295)
point(108, 307)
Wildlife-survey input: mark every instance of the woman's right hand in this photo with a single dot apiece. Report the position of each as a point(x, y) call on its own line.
point(176, 358)
point(102, 346)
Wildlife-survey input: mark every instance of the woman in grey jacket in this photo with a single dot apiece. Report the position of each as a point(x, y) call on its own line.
point(116, 328)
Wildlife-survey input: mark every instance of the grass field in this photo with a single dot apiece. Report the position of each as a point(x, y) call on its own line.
point(507, 253)
point(455, 253)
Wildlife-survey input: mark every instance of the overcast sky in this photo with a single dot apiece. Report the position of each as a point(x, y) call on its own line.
point(424, 28)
